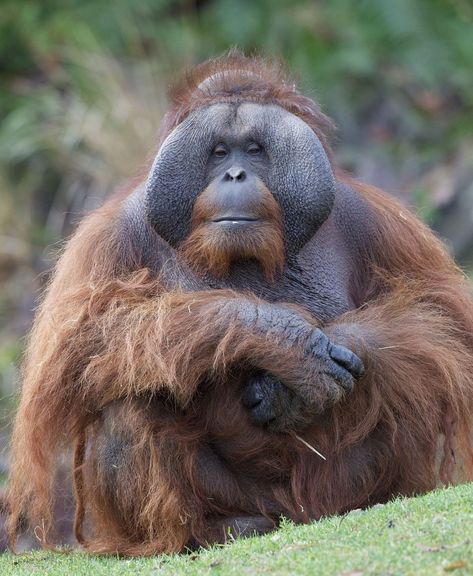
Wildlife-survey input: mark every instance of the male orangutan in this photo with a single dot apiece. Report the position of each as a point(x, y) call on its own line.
point(247, 305)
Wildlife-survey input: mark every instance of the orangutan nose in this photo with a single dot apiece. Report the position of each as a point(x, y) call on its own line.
point(235, 174)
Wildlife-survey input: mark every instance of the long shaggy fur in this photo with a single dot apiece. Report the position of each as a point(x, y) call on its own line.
point(113, 353)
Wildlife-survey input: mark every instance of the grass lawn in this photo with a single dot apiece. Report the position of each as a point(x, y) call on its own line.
point(429, 535)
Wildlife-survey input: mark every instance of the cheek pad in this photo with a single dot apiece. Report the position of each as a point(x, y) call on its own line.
point(300, 175)
point(178, 173)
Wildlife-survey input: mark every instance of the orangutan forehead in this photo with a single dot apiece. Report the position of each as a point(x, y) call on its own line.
point(240, 119)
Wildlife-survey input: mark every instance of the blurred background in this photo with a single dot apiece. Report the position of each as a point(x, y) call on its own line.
point(83, 87)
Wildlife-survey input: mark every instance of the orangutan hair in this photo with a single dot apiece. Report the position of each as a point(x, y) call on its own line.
point(149, 333)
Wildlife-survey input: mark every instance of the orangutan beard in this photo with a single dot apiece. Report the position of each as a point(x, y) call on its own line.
point(212, 247)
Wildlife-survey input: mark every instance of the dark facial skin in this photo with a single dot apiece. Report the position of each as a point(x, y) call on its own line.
point(235, 219)
point(235, 169)
point(292, 165)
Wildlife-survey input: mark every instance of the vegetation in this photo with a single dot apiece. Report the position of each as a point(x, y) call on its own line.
point(421, 536)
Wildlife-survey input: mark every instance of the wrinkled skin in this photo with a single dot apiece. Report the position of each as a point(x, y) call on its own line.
point(296, 169)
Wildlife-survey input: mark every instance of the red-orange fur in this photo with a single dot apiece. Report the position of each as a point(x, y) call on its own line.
point(207, 249)
point(109, 338)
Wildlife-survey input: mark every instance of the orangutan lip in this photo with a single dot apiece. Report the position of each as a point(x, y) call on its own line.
point(234, 219)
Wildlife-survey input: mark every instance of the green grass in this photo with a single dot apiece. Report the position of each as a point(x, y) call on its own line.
point(432, 534)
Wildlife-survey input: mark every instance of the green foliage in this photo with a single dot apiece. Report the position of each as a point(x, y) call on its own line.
point(423, 202)
point(83, 87)
point(386, 71)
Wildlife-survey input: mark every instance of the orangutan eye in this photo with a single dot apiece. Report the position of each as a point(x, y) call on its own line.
point(220, 151)
point(254, 149)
